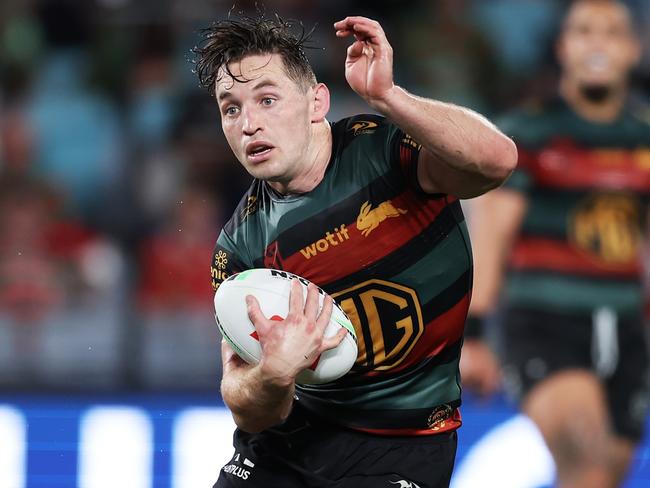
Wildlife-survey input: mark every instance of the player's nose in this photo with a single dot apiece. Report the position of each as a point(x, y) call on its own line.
point(251, 121)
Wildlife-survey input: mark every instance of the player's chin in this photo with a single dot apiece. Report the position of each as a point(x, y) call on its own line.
point(268, 172)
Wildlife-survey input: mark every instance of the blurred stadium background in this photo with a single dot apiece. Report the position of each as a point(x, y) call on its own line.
point(114, 182)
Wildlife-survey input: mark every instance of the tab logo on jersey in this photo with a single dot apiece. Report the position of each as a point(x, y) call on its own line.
point(338, 236)
point(369, 218)
point(363, 127)
point(608, 226)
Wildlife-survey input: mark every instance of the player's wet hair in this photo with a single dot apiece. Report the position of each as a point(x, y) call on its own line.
point(230, 40)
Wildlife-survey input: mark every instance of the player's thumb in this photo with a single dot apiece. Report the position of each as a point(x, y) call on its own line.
point(355, 50)
point(335, 340)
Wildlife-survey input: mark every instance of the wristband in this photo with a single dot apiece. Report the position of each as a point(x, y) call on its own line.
point(474, 327)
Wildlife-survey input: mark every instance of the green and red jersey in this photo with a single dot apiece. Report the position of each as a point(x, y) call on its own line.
point(587, 186)
point(396, 259)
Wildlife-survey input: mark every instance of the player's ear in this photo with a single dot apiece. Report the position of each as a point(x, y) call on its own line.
point(321, 102)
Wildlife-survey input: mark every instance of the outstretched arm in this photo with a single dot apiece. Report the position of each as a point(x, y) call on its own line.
point(463, 153)
point(495, 220)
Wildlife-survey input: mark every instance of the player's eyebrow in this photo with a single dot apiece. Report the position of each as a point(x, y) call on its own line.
point(224, 94)
point(265, 84)
point(262, 84)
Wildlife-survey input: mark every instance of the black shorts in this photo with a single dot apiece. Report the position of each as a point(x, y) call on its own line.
point(306, 452)
point(537, 344)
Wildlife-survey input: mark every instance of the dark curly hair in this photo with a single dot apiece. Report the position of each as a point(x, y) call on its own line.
point(230, 40)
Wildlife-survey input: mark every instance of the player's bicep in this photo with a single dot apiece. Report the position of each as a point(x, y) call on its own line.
point(436, 176)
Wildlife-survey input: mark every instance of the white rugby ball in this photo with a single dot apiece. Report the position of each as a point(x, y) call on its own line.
point(271, 288)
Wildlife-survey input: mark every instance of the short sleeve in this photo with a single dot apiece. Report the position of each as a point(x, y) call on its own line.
point(402, 150)
point(225, 261)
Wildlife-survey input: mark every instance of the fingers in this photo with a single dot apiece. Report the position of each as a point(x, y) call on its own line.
point(260, 322)
point(335, 340)
point(355, 50)
point(311, 304)
point(363, 28)
point(348, 23)
point(325, 314)
point(296, 302)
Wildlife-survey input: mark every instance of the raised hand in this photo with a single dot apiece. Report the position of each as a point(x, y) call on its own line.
point(292, 344)
point(479, 368)
point(369, 62)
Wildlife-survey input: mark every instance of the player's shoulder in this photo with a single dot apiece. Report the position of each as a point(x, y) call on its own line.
point(248, 207)
point(533, 122)
point(361, 128)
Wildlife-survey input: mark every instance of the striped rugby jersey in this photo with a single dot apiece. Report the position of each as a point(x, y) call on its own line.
point(397, 260)
point(587, 187)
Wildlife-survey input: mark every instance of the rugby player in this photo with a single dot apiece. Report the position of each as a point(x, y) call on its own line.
point(571, 220)
point(368, 208)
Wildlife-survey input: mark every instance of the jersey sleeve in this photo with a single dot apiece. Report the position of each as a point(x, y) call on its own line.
point(402, 150)
point(225, 260)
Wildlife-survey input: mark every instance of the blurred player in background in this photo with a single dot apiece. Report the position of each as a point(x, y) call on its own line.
point(569, 223)
point(363, 210)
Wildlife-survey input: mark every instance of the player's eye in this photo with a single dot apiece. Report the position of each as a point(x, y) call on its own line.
point(231, 110)
point(268, 101)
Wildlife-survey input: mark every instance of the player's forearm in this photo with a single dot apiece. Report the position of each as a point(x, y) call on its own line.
point(494, 221)
point(256, 403)
point(458, 136)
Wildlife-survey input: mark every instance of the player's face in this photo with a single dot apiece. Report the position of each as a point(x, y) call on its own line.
point(267, 119)
point(598, 46)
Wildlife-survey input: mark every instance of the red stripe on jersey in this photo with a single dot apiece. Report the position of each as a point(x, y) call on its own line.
point(441, 332)
point(348, 248)
point(547, 254)
point(564, 164)
point(453, 423)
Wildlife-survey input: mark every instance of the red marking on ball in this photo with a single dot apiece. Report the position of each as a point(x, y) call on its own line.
point(254, 335)
point(315, 363)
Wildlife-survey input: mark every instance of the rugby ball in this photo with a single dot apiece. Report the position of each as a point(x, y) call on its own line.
point(271, 288)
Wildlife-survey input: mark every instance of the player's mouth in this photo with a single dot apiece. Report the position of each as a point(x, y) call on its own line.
point(258, 151)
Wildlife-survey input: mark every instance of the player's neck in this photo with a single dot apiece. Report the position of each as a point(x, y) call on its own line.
point(318, 156)
point(597, 111)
